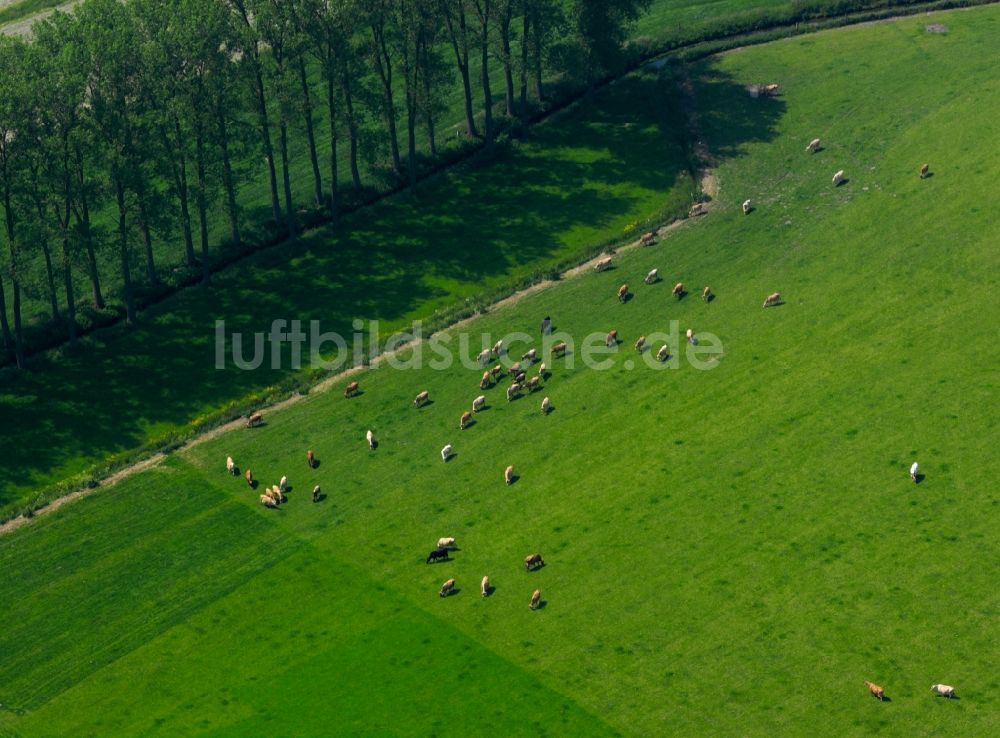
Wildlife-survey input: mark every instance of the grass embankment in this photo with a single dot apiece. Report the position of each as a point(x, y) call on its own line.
point(730, 552)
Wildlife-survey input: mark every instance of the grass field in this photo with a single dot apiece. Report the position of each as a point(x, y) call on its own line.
point(729, 552)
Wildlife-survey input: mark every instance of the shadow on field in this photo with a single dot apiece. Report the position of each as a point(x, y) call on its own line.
point(482, 224)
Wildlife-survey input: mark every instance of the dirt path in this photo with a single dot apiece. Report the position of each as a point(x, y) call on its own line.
point(22, 26)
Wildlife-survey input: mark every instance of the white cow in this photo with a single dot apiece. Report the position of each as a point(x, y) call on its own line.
point(484, 357)
point(230, 465)
point(747, 207)
point(283, 484)
point(944, 690)
point(546, 405)
point(479, 403)
point(446, 542)
point(446, 452)
point(370, 437)
point(838, 178)
point(653, 276)
point(813, 146)
point(603, 265)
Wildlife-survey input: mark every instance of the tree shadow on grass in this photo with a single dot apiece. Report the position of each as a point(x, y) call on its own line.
point(570, 185)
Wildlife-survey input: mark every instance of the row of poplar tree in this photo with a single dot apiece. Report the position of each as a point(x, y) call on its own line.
point(145, 112)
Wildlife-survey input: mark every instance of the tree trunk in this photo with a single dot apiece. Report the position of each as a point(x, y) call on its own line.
point(286, 177)
point(265, 132)
point(460, 45)
point(331, 102)
point(310, 134)
point(83, 221)
point(8, 340)
point(352, 127)
point(536, 51)
point(14, 273)
point(180, 180)
point(484, 44)
point(130, 315)
point(147, 237)
point(383, 65)
point(425, 79)
point(202, 204)
point(227, 179)
point(50, 276)
point(523, 106)
point(68, 284)
point(508, 72)
point(411, 137)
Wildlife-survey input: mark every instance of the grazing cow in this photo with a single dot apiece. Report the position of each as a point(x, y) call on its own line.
point(603, 264)
point(484, 383)
point(484, 356)
point(496, 372)
point(924, 170)
point(447, 588)
point(529, 357)
point(479, 403)
point(421, 399)
point(542, 370)
point(690, 337)
point(943, 690)
point(446, 452)
point(559, 349)
point(706, 294)
point(653, 276)
point(747, 207)
point(773, 299)
point(446, 542)
point(278, 494)
point(623, 293)
point(438, 554)
point(534, 383)
point(484, 587)
point(813, 146)
point(611, 339)
point(351, 389)
point(697, 209)
point(317, 493)
point(231, 466)
point(771, 89)
point(466, 417)
point(838, 178)
point(255, 420)
point(370, 437)
point(536, 599)
point(515, 369)
point(275, 495)
point(266, 501)
point(311, 459)
point(664, 353)
point(640, 344)
point(914, 472)
point(876, 690)
point(508, 474)
point(513, 391)
point(533, 561)
point(283, 484)
point(678, 290)
point(249, 477)
point(546, 406)
point(498, 348)
point(647, 238)
point(519, 379)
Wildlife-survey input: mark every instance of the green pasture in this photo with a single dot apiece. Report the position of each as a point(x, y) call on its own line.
point(730, 551)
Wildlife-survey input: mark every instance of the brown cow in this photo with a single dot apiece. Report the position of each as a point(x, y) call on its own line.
point(706, 294)
point(640, 344)
point(508, 474)
point(876, 690)
point(484, 587)
point(421, 399)
point(466, 417)
point(249, 478)
point(266, 501)
point(533, 561)
point(647, 238)
point(773, 299)
point(529, 356)
point(496, 372)
point(534, 383)
point(447, 588)
point(924, 170)
point(255, 420)
point(623, 293)
point(484, 383)
point(519, 379)
point(559, 349)
point(513, 391)
point(311, 459)
point(678, 290)
point(515, 368)
point(351, 389)
point(611, 339)
point(536, 599)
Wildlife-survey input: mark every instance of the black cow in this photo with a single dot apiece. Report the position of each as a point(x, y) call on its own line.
point(438, 554)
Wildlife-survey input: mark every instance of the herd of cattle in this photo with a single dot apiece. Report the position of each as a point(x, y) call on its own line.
point(275, 495)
